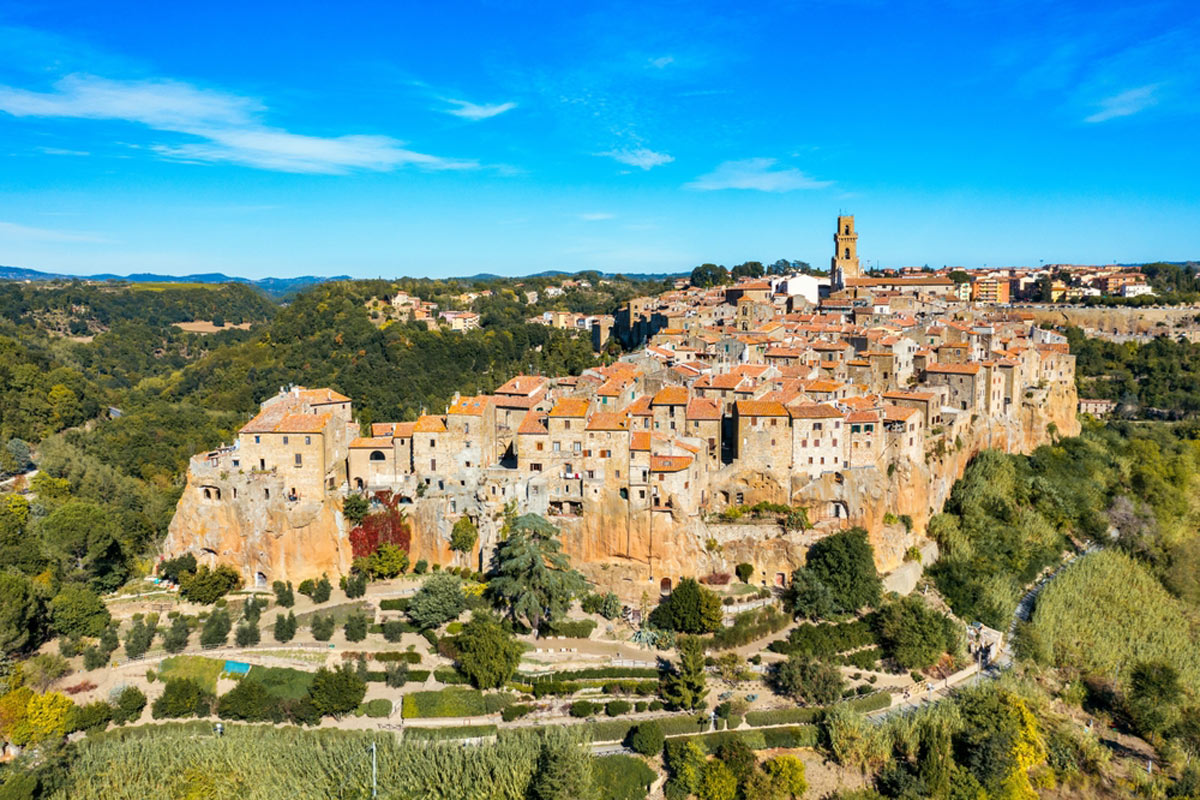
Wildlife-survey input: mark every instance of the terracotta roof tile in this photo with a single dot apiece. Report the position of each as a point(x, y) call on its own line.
point(703, 408)
point(760, 408)
point(669, 463)
point(429, 423)
point(607, 421)
point(570, 407)
point(862, 416)
point(320, 396)
point(953, 369)
point(671, 396)
point(371, 443)
point(470, 406)
point(639, 440)
point(533, 422)
point(303, 423)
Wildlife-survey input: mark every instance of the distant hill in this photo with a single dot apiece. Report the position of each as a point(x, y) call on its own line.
point(273, 286)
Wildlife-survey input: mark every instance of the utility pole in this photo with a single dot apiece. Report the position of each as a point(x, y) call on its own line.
point(374, 773)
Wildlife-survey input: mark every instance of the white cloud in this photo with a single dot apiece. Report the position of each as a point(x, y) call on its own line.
point(662, 61)
point(1126, 103)
point(229, 126)
point(641, 157)
point(22, 233)
point(596, 216)
point(475, 111)
point(59, 151)
point(755, 173)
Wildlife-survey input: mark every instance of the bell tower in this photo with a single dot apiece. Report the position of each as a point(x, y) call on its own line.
point(844, 265)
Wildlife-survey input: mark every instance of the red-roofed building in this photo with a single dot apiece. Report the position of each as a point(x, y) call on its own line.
point(764, 438)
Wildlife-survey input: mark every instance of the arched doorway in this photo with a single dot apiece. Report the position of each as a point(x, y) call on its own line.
point(664, 586)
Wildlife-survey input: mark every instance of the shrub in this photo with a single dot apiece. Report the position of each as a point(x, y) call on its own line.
point(439, 600)
point(717, 579)
point(583, 708)
point(744, 571)
point(182, 697)
point(621, 777)
point(747, 627)
point(615, 708)
point(175, 640)
point(354, 585)
point(92, 717)
point(94, 658)
point(380, 707)
point(606, 605)
point(394, 604)
point(394, 630)
point(421, 567)
point(804, 679)
point(690, 608)
point(78, 611)
point(514, 711)
point(647, 739)
point(173, 568)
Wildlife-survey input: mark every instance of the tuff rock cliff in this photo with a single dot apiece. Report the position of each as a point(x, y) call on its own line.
point(629, 553)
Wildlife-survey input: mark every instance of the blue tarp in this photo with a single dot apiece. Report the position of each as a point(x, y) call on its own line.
point(236, 667)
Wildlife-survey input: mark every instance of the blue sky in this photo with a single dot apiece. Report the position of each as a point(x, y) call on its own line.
point(442, 139)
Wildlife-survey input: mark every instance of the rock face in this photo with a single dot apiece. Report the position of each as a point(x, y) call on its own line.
point(631, 554)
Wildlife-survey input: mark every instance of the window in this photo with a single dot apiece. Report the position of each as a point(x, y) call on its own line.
point(577, 446)
point(535, 467)
point(557, 447)
point(539, 445)
point(377, 455)
point(285, 440)
point(641, 494)
point(308, 440)
point(433, 442)
point(236, 462)
point(847, 253)
point(266, 494)
point(299, 460)
point(432, 464)
point(258, 440)
point(619, 475)
point(741, 498)
point(453, 506)
point(566, 424)
point(591, 473)
point(467, 429)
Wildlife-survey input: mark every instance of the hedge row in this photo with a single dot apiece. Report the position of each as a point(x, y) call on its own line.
point(394, 604)
point(782, 716)
point(610, 730)
point(592, 673)
point(826, 639)
point(443, 734)
point(454, 702)
point(570, 628)
point(872, 702)
point(389, 655)
point(449, 675)
point(794, 736)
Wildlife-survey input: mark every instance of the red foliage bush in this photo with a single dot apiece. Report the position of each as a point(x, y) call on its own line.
point(389, 526)
point(717, 579)
point(84, 686)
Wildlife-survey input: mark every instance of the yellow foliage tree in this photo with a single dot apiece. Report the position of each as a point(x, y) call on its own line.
point(1028, 752)
point(13, 709)
point(47, 716)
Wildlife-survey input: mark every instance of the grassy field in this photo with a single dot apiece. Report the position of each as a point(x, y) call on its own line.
point(203, 671)
point(283, 682)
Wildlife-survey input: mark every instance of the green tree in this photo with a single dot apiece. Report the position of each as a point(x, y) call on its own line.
point(647, 738)
point(247, 634)
point(322, 627)
point(738, 756)
point(44, 670)
point(808, 597)
point(208, 585)
point(464, 535)
point(130, 703)
point(439, 600)
point(356, 627)
point(564, 771)
point(684, 685)
point(717, 782)
point(1154, 694)
point(19, 616)
point(81, 538)
point(138, 639)
point(913, 634)
point(708, 275)
point(487, 654)
point(216, 629)
point(355, 508)
point(787, 775)
point(744, 571)
point(78, 611)
point(751, 269)
point(284, 596)
point(690, 608)
point(845, 562)
point(249, 701)
point(805, 679)
point(182, 697)
point(175, 640)
point(387, 561)
point(532, 579)
point(338, 691)
point(285, 627)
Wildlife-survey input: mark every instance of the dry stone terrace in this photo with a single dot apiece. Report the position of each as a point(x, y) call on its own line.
point(862, 408)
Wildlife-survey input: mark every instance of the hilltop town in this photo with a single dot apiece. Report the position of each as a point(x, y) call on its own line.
point(860, 403)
